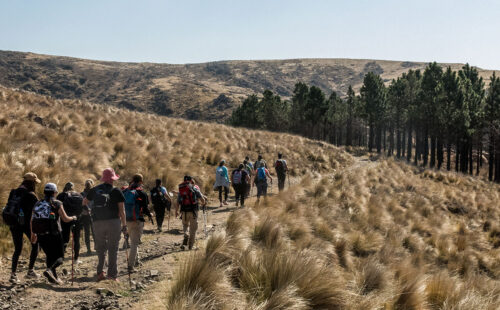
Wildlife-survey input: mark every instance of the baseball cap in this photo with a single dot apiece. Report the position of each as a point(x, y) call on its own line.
point(30, 176)
point(50, 187)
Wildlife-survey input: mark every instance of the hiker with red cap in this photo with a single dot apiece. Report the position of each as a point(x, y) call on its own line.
point(108, 215)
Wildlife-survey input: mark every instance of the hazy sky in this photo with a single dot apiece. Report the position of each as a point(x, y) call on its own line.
point(197, 31)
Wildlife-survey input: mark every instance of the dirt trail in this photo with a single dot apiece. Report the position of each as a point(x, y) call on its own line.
point(160, 256)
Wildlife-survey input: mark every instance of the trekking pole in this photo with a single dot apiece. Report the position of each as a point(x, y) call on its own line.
point(72, 257)
point(288, 177)
point(128, 263)
point(205, 219)
point(168, 221)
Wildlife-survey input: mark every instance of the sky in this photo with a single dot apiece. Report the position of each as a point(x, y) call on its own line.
point(186, 31)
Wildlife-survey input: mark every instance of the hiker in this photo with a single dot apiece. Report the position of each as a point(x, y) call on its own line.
point(260, 180)
point(86, 219)
point(108, 216)
point(17, 214)
point(222, 182)
point(46, 229)
point(72, 202)
point(249, 170)
point(260, 163)
point(240, 179)
point(136, 206)
point(161, 200)
point(187, 199)
point(281, 171)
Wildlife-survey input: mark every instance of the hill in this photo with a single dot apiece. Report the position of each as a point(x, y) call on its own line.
point(204, 91)
point(350, 233)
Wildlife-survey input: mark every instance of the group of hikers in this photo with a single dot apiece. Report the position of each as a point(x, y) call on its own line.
point(106, 212)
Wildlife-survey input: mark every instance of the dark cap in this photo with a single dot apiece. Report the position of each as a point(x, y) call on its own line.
point(187, 178)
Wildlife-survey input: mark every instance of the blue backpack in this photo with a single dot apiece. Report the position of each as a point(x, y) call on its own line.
point(132, 208)
point(261, 174)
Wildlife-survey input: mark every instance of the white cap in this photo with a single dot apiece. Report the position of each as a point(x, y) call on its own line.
point(50, 187)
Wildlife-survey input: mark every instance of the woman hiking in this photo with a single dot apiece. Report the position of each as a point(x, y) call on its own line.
point(240, 179)
point(46, 229)
point(222, 182)
point(23, 199)
point(86, 219)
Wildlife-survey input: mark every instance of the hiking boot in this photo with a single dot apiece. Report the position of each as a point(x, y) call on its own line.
point(32, 274)
point(50, 276)
point(159, 229)
point(101, 276)
point(13, 279)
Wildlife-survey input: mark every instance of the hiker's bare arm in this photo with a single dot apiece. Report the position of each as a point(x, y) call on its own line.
point(121, 213)
point(65, 217)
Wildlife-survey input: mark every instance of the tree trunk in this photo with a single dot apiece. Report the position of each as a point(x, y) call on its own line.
point(417, 145)
point(379, 139)
point(491, 156)
point(408, 149)
point(471, 159)
point(448, 154)
point(439, 151)
point(403, 140)
point(398, 143)
point(370, 138)
point(457, 155)
point(432, 163)
point(425, 141)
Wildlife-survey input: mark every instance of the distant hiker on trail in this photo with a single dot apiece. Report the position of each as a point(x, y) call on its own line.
point(260, 180)
point(136, 206)
point(72, 202)
point(281, 170)
point(188, 200)
point(161, 200)
point(17, 214)
point(108, 215)
point(86, 219)
point(46, 229)
point(260, 163)
point(240, 179)
point(249, 170)
point(222, 182)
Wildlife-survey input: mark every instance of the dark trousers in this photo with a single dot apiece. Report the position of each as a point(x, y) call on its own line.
point(52, 245)
point(160, 214)
point(74, 227)
point(281, 181)
point(226, 192)
point(86, 223)
point(240, 192)
point(17, 236)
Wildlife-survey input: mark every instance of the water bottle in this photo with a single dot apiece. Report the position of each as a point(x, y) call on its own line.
point(52, 216)
point(21, 217)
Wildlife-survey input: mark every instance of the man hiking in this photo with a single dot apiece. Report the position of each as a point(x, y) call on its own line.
point(222, 182)
point(188, 200)
point(72, 202)
point(240, 179)
point(260, 180)
point(281, 171)
point(136, 206)
point(260, 163)
point(161, 200)
point(108, 215)
point(17, 214)
point(86, 219)
point(46, 229)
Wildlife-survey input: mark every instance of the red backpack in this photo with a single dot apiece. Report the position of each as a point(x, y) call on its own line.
point(187, 196)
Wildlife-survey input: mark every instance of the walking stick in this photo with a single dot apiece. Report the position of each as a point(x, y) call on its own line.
point(168, 221)
point(205, 219)
point(72, 257)
point(288, 177)
point(128, 263)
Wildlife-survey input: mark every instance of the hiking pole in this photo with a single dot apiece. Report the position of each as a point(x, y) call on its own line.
point(288, 177)
point(128, 263)
point(205, 219)
point(72, 257)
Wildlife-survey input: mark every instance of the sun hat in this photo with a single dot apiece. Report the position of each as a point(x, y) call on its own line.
point(109, 175)
point(30, 176)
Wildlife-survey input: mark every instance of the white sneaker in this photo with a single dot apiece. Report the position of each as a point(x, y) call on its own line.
point(32, 274)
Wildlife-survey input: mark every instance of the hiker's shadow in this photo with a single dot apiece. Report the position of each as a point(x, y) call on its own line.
point(60, 289)
point(174, 231)
point(224, 210)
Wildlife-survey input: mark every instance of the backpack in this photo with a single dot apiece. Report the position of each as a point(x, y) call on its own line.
point(43, 220)
point(132, 208)
point(100, 204)
point(237, 176)
point(11, 212)
point(157, 197)
point(73, 204)
point(187, 196)
point(261, 174)
point(280, 166)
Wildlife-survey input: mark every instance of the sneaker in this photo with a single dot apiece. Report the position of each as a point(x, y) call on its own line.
point(114, 279)
point(236, 203)
point(159, 229)
point(131, 269)
point(225, 203)
point(101, 276)
point(32, 274)
point(183, 247)
point(78, 262)
point(50, 276)
point(13, 279)
point(59, 281)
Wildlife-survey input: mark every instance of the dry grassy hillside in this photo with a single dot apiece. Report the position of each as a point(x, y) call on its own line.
point(65, 140)
point(206, 91)
point(378, 235)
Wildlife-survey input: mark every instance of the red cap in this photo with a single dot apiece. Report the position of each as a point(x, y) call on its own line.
point(109, 175)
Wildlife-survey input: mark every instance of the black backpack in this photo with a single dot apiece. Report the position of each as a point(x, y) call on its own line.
point(280, 166)
point(101, 201)
point(10, 212)
point(73, 204)
point(157, 197)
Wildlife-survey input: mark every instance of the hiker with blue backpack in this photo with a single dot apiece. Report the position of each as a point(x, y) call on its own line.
point(136, 207)
point(260, 180)
point(240, 179)
point(17, 214)
point(222, 182)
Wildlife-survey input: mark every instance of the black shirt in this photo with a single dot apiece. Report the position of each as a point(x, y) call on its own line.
point(244, 174)
point(115, 197)
point(27, 202)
